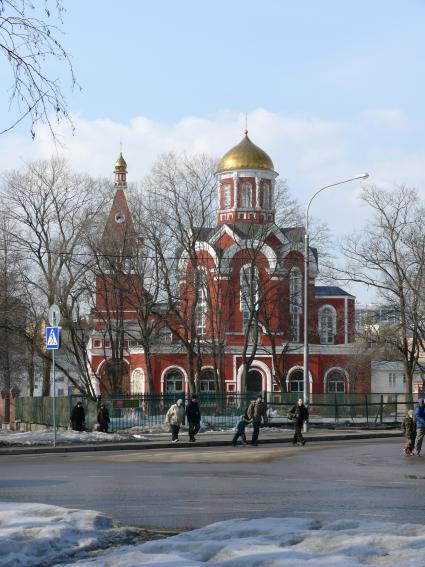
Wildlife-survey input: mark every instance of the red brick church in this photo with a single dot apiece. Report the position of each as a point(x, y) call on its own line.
point(248, 300)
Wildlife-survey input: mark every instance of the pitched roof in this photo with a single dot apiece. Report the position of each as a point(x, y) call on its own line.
point(331, 291)
point(119, 223)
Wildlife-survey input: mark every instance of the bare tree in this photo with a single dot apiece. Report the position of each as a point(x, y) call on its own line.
point(29, 42)
point(50, 210)
point(180, 194)
point(389, 256)
point(12, 317)
point(146, 284)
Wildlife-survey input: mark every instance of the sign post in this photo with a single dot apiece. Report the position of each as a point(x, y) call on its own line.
point(52, 343)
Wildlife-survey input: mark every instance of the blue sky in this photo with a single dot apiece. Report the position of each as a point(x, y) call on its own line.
point(331, 88)
point(167, 60)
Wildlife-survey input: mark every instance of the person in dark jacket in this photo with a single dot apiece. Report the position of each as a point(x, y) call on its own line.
point(257, 411)
point(78, 417)
point(193, 414)
point(300, 415)
point(420, 426)
point(240, 430)
point(103, 419)
point(409, 427)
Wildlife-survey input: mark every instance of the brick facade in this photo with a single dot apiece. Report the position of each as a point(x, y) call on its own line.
point(226, 255)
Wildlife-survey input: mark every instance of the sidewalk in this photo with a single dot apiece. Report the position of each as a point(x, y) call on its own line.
point(208, 439)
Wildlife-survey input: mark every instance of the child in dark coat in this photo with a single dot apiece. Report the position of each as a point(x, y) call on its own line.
point(240, 430)
point(409, 427)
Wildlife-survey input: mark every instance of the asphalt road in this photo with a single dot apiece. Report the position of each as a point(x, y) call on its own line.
point(178, 489)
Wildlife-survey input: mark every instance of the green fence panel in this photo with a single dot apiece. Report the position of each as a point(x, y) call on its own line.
point(222, 410)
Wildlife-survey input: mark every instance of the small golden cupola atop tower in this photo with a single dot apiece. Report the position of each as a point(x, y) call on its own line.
point(120, 171)
point(245, 155)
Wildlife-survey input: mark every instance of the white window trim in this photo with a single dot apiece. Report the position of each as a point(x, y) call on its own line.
point(241, 306)
point(336, 369)
point(246, 190)
point(143, 381)
point(174, 367)
point(333, 310)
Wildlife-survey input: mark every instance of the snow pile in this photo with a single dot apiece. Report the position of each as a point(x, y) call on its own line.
point(36, 534)
point(45, 437)
point(273, 542)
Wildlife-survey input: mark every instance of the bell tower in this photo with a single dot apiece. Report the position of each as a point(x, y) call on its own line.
point(120, 172)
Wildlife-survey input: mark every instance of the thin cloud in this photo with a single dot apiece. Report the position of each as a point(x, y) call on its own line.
point(308, 152)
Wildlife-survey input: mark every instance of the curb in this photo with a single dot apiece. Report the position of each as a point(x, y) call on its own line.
point(142, 446)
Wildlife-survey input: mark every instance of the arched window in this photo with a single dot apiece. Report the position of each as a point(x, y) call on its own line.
point(336, 382)
point(207, 382)
point(296, 381)
point(226, 196)
point(327, 324)
point(265, 196)
point(201, 303)
point(173, 381)
point(249, 292)
point(295, 288)
point(246, 195)
point(137, 381)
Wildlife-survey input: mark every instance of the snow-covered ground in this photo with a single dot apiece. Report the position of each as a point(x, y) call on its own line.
point(69, 437)
point(45, 437)
point(39, 535)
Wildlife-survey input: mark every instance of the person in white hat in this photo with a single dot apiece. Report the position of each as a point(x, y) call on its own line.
point(174, 419)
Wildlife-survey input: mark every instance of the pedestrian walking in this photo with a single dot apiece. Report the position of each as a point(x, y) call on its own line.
point(299, 414)
point(103, 419)
point(240, 430)
point(193, 414)
point(257, 412)
point(409, 427)
point(420, 426)
point(78, 417)
point(174, 417)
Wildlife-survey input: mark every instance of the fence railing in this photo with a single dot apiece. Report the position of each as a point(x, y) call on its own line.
point(147, 411)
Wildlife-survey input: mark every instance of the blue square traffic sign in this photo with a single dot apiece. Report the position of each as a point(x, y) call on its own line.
point(52, 338)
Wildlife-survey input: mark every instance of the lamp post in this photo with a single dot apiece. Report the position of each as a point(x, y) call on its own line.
point(306, 263)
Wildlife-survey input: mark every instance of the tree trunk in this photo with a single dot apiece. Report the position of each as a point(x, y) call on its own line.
point(31, 371)
point(151, 384)
point(190, 373)
point(47, 365)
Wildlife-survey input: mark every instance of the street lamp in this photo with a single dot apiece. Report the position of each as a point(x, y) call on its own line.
point(306, 262)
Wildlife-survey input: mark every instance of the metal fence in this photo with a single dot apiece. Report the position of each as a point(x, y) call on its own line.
point(147, 411)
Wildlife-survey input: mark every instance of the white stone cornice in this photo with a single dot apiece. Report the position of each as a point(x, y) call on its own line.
point(224, 229)
point(269, 253)
point(262, 173)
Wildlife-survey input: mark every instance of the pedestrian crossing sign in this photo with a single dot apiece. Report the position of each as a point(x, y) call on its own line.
point(52, 338)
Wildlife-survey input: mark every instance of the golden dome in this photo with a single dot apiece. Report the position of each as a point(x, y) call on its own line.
point(245, 155)
point(120, 164)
